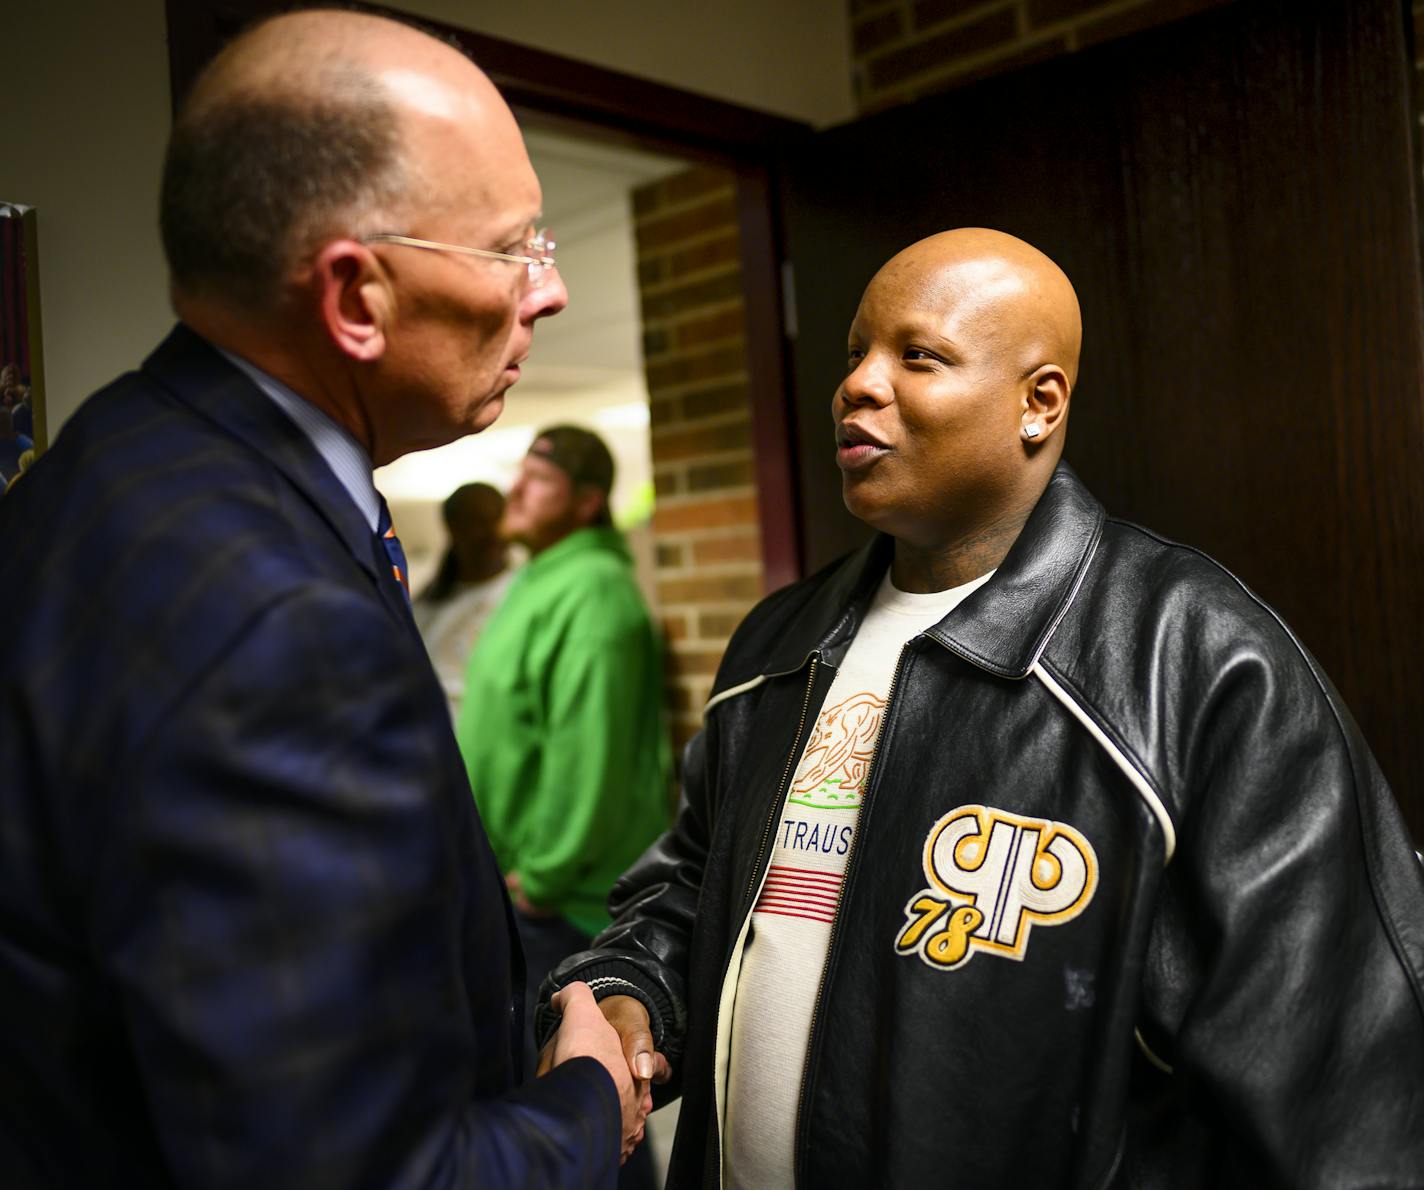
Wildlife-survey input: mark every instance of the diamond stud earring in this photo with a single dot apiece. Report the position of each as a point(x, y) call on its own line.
point(1031, 430)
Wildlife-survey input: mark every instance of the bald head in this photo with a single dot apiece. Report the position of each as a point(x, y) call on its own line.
point(290, 54)
point(1000, 289)
point(308, 126)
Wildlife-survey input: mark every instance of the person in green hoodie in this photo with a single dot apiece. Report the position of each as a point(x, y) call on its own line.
point(562, 728)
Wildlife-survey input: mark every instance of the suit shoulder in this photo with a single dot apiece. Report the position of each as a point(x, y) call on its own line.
point(157, 532)
point(137, 474)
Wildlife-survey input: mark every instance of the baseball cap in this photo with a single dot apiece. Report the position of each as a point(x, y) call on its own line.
point(579, 452)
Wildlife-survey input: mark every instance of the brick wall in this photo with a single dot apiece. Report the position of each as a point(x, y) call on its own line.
point(904, 49)
point(705, 527)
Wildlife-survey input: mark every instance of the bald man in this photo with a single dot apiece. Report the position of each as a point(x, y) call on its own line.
point(1021, 848)
point(251, 931)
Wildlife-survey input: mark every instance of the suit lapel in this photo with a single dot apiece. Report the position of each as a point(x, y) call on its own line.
point(194, 373)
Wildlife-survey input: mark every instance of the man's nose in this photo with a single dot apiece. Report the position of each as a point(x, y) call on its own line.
point(866, 384)
point(546, 296)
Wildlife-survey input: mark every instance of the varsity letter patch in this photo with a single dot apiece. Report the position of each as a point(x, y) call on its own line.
point(993, 877)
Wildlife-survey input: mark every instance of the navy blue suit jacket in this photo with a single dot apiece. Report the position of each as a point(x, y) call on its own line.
point(251, 932)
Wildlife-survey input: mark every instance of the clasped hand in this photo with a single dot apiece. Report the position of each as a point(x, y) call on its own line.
point(616, 1032)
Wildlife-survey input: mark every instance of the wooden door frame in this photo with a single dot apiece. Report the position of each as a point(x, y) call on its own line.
point(562, 94)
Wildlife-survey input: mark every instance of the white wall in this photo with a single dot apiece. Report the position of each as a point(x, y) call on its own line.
point(90, 81)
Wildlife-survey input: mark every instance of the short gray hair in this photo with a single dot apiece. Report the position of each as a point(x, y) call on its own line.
point(252, 181)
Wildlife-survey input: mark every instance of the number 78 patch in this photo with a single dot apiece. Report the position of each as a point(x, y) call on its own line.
point(993, 876)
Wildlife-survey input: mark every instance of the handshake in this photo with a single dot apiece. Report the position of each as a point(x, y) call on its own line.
point(616, 1032)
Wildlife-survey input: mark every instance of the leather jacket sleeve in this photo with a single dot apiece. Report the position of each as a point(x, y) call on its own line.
point(1285, 970)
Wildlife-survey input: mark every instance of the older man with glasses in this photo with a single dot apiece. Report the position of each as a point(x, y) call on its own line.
point(251, 931)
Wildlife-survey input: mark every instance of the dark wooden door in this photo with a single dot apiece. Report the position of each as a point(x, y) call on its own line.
point(1232, 197)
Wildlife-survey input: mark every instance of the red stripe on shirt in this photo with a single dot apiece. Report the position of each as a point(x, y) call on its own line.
point(811, 887)
point(802, 881)
point(824, 905)
point(826, 919)
point(799, 893)
point(806, 872)
point(803, 890)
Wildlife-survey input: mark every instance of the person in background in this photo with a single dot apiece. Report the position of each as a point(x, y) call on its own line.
point(562, 729)
point(473, 577)
point(251, 931)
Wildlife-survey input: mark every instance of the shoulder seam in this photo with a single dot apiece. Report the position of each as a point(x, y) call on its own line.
point(732, 691)
point(1132, 771)
point(1078, 581)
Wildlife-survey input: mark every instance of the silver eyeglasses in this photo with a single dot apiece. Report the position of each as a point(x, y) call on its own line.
point(538, 263)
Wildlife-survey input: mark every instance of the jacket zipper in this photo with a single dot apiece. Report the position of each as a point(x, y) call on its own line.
point(761, 858)
point(870, 775)
point(777, 803)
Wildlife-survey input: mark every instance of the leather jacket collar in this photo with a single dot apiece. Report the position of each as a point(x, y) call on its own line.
point(1004, 625)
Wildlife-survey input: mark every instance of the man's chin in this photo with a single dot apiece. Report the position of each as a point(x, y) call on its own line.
point(859, 501)
point(513, 530)
point(488, 413)
point(869, 506)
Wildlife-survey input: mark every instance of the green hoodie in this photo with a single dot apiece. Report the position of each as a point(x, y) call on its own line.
point(562, 727)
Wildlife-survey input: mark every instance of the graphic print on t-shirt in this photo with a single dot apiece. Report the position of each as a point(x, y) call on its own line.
point(838, 754)
point(818, 821)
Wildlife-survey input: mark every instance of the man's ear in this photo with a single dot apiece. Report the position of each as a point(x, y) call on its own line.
point(1046, 393)
point(589, 502)
point(354, 297)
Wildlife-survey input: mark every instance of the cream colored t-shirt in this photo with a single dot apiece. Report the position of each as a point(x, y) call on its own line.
point(450, 630)
point(785, 953)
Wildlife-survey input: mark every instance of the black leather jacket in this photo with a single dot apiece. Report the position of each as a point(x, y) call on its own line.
point(1206, 967)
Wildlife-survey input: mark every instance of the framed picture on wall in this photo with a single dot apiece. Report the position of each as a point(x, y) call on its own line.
point(23, 433)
